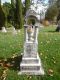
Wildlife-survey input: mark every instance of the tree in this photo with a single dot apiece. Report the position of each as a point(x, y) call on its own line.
point(18, 15)
point(27, 5)
point(12, 12)
point(58, 5)
point(51, 13)
point(0, 2)
point(2, 17)
point(6, 8)
point(52, 2)
point(13, 3)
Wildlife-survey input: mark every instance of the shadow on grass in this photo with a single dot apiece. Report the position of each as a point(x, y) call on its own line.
point(11, 63)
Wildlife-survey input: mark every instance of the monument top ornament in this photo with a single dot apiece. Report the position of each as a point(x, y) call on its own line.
point(30, 12)
point(32, 16)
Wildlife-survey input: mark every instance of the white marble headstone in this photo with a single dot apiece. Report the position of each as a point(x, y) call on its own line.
point(4, 30)
point(14, 31)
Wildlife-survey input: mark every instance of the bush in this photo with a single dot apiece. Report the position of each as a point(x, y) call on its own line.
point(45, 23)
point(51, 13)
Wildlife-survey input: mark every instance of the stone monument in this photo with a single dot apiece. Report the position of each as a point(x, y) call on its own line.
point(31, 63)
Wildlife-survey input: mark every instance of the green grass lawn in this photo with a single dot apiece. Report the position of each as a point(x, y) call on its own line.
point(11, 47)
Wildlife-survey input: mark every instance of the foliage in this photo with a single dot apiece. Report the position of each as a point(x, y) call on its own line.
point(0, 2)
point(51, 13)
point(6, 8)
point(58, 5)
point(13, 3)
point(23, 10)
point(18, 15)
point(51, 2)
point(27, 5)
point(2, 18)
point(11, 15)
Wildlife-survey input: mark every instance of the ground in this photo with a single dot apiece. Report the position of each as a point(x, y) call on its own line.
point(11, 47)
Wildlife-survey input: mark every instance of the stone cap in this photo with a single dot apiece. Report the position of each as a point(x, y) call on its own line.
point(25, 25)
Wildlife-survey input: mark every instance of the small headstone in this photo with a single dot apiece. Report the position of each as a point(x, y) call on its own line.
point(14, 31)
point(4, 30)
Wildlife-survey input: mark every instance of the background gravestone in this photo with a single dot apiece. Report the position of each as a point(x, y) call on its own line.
point(4, 30)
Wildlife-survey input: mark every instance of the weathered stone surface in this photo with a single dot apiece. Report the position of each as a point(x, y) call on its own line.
point(30, 49)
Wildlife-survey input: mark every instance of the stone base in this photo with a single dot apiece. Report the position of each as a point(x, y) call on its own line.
point(31, 66)
point(40, 72)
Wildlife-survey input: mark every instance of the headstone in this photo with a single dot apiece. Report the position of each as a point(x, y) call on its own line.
point(31, 63)
point(4, 30)
point(14, 31)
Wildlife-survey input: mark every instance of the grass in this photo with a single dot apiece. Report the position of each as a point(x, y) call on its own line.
point(11, 47)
